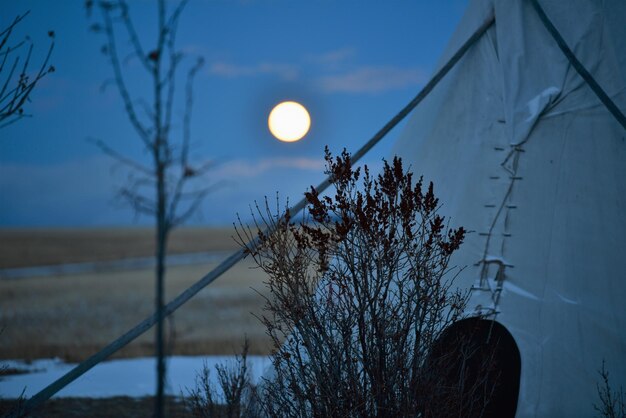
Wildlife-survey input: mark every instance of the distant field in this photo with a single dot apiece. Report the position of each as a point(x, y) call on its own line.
point(73, 316)
point(42, 247)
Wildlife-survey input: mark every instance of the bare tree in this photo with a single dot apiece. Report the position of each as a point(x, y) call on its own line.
point(360, 297)
point(16, 84)
point(612, 402)
point(168, 187)
point(14, 94)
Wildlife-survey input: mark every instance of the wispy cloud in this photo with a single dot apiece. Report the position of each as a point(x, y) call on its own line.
point(80, 192)
point(373, 80)
point(252, 168)
point(329, 72)
point(332, 58)
point(83, 192)
point(226, 69)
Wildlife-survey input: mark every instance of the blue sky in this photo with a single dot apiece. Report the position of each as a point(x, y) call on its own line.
point(353, 64)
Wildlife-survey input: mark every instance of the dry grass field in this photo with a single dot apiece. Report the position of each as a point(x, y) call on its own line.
point(43, 247)
point(72, 316)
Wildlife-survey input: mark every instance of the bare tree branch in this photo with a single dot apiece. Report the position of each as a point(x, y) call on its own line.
point(197, 197)
point(119, 79)
point(139, 202)
point(16, 92)
point(119, 157)
point(168, 176)
point(130, 27)
point(184, 153)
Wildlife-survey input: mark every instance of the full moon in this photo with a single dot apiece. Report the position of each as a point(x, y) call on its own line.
point(289, 121)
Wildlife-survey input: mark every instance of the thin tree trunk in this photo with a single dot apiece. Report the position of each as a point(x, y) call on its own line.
point(170, 170)
point(160, 153)
point(161, 242)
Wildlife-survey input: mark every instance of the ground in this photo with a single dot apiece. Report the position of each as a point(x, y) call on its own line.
point(73, 316)
point(120, 407)
point(42, 247)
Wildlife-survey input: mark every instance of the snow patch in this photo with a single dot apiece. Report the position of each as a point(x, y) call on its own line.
point(127, 377)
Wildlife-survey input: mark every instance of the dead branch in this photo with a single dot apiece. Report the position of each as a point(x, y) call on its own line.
point(17, 87)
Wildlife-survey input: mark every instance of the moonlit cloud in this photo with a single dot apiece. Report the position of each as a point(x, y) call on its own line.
point(364, 79)
point(251, 168)
point(332, 58)
point(373, 80)
point(79, 192)
point(83, 192)
point(225, 69)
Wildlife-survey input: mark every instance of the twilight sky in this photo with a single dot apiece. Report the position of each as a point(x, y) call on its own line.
point(353, 64)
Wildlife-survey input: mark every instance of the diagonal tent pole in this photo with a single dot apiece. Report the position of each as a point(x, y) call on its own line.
point(578, 66)
point(177, 302)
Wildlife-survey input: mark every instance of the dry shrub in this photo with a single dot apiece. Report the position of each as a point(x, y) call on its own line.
point(360, 293)
point(612, 402)
point(235, 395)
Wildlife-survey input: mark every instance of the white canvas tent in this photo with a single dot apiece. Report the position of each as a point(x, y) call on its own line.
point(524, 154)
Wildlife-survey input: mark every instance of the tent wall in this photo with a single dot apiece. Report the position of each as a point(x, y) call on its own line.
point(523, 154)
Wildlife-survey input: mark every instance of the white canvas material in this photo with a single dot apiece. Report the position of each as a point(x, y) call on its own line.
point(525, 156)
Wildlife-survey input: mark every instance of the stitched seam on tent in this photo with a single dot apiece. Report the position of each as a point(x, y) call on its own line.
point(513, 156)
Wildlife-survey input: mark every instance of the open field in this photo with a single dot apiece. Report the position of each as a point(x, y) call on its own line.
point(72, 316)
point(42, 247)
